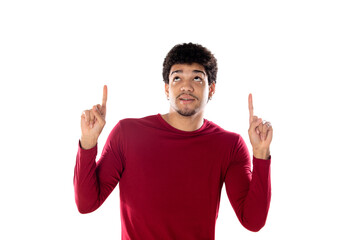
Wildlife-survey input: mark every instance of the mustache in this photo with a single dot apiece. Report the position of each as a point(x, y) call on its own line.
point(187, 94)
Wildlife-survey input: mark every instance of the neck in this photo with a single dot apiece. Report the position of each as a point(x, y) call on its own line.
point(189, 123)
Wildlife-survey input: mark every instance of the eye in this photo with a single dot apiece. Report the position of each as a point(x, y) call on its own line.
point(198, 79)
point(176, 79)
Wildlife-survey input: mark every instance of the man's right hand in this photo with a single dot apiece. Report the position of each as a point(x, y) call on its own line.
point(93, 122)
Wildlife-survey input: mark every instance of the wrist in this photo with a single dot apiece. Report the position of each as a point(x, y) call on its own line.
point(86, 143)
point(262, 153)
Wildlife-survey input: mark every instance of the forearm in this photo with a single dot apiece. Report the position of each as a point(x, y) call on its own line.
point(85, 180)
point(257, 201)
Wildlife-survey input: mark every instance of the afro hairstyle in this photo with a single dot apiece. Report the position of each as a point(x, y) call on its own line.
point(188, 53)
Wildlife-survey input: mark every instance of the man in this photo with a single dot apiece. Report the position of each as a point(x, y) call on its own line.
point(171, 168)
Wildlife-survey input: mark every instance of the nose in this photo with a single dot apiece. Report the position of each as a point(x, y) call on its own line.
point(187, 86)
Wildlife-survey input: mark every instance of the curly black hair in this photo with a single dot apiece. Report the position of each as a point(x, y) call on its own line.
point(188, 53)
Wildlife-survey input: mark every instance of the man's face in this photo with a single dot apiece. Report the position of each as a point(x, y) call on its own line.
point(188, 89)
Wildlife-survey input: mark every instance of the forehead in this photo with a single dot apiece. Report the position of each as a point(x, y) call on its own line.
point(187, 67)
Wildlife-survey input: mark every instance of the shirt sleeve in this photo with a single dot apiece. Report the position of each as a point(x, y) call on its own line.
point(249, 192)
point(94, 181)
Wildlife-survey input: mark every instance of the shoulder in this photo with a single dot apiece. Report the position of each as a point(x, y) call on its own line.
point(214, 128)
point(131, 121)
point(135, 123)
point(226, 136)
point(131, 128)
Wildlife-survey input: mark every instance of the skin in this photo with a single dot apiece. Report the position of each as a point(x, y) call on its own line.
point(260, 133)
point(93, 122)
point(188, 92)
point(187, 81)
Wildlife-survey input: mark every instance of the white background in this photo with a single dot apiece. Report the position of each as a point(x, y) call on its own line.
point(300, 59)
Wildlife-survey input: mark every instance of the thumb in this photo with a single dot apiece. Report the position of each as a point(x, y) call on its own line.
point(98, 117)
point(255, 124)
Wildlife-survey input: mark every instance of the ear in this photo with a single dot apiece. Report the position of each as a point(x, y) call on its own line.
point(211, 89)
point(167, 90)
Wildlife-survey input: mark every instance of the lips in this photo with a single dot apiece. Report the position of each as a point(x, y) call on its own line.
point(186, 97)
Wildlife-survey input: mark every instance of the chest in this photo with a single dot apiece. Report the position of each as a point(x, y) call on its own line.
point(169, 170)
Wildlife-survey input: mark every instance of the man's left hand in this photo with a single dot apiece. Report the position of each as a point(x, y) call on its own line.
point(260, 134)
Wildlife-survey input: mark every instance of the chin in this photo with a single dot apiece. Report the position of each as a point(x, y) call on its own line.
point(187, 112)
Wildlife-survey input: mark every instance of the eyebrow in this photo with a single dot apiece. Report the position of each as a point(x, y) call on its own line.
point(194, 71)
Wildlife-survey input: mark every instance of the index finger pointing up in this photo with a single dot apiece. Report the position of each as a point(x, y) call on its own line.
point(251, 108)
point(104, 96)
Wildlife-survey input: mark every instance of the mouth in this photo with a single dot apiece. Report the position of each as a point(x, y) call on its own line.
point(186, 101)
point(186, 98)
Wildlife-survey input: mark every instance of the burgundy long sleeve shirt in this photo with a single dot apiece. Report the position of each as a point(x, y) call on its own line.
point(170, 180)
